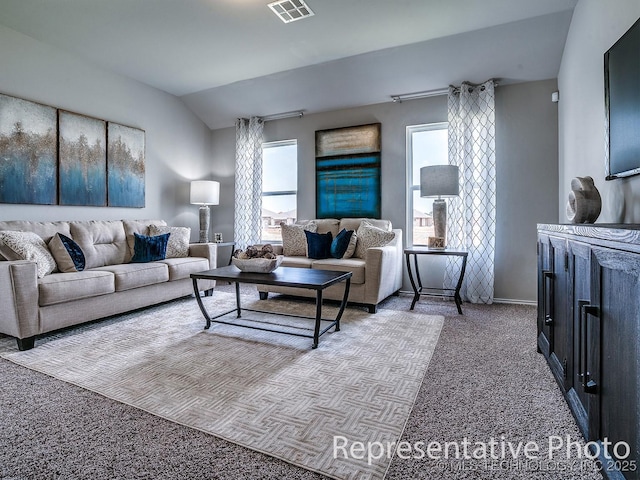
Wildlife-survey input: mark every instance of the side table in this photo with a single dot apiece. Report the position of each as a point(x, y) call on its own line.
point(435, 292)
point(227, 244)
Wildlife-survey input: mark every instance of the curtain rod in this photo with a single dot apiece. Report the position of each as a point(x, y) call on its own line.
point(280, 116)
point(413, 96)
point(427, 93)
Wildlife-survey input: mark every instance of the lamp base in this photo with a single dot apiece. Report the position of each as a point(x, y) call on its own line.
point(440, 221)
point(204, 223)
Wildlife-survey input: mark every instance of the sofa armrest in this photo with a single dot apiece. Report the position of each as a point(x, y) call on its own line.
point(19, 298)
point(205, 250)
point(383, 270)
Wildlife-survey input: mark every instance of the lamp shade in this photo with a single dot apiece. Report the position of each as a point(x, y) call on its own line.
point(439, 181)
point(205, 192)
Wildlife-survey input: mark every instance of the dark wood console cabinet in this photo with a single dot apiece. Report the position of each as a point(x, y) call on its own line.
point(589, 331)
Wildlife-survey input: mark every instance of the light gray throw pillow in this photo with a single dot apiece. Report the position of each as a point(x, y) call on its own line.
point(294, 241)
point(178, 246)
point(370, 236)
point(28, 246)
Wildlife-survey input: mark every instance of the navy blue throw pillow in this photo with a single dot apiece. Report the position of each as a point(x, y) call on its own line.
point(318, 245)
point(74, 251)
point(340, 244)
point(149, 249)
point(68, 255)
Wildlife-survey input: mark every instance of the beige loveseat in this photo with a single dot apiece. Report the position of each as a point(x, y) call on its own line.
point(109, 285)
point(375, 277)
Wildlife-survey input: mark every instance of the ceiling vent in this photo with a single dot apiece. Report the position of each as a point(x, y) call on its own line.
point(291, 10)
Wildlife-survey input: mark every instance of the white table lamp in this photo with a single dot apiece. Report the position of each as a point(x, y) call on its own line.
point(205, 193)
point(439, 181)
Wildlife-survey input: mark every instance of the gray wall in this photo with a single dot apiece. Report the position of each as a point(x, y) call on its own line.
point(595, 26)
point(526, 151)
point(178, 144)
point(180, 148)
point(527, 175)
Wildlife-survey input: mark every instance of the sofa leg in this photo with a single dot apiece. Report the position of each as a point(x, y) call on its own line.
point(26, 343)
point(208, 293)
point(263, 295)
point(373, 308)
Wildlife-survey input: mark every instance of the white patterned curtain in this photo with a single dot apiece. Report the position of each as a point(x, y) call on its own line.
point(248, 182)
point(472, 215)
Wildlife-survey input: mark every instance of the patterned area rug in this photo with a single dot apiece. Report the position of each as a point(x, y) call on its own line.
point(266, 391)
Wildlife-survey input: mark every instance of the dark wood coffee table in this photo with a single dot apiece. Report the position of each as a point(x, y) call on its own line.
point(307, 278)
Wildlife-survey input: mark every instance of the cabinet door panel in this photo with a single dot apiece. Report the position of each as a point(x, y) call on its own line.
point(554, 327)
point(558, 311)
point(580, 295)
point(615, 288)
point(545, 272)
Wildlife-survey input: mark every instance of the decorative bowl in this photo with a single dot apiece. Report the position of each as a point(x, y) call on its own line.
point(258, 265)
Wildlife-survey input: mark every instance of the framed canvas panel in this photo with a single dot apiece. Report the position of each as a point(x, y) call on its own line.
point(348, 187)
point(348, 140)
point(126, 166)
point(348, 172)
point(83, 160)
point(28, 153)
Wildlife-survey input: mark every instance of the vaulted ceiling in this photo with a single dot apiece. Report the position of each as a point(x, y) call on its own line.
point(231, 58)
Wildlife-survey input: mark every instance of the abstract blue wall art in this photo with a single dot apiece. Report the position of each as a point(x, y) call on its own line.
point(28, 154)
point(126, 158)
point(83, 160)
point(50, 156)
point(348, 172)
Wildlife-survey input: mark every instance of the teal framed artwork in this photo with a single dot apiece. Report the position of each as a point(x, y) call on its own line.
point(348, 172)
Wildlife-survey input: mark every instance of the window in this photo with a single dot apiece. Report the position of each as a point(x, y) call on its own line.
point(279, 187)
point(426, 145)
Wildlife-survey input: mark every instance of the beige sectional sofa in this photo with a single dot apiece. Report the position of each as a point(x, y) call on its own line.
point(375, 277)
point(109, 285)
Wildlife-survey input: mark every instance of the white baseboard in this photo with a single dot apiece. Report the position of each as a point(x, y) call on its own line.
point(514, 301)
point(495, 300)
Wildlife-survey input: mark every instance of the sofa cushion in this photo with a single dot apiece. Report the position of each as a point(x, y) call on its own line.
point(294, 241)
point(103, 242)
point(298, 261)
point(178, 245)
point(318, 244)
point(44, 230)
point(65, 287)
point(137, 226)
point(370, 236)
point(67, 253)
point(326, 225)
point(355, 265)
point(6, 252)
point(150, 249)
point(354, 223)
point(340, 243)
point(351, 248)
point(134, 275)
point(27, 246)
point(180, 268)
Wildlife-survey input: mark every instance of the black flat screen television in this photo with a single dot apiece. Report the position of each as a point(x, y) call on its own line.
point(622, 105)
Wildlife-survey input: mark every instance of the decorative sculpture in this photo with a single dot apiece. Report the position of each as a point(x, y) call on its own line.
point(584, 203)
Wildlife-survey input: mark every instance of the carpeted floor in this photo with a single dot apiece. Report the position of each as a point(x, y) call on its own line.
point(266, 391)
point(485, 380)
